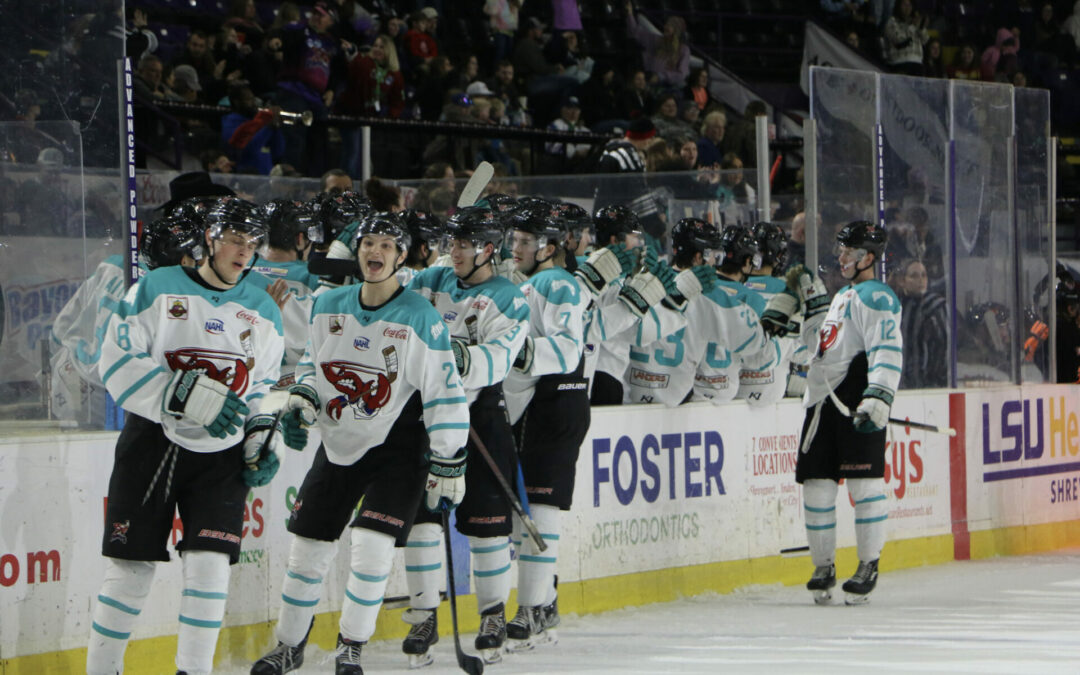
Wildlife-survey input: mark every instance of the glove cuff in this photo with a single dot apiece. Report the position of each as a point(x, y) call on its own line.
point(339, 251)
point(688, 284)
point(306, 392)
point(880, 393)
point(178, 392)
point(448, 467)
point(260, 422)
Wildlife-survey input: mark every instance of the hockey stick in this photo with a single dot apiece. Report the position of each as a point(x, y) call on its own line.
point(526, 520)
point(794, 550)
point(470, 664)
point(846, 412)
point(479, 180)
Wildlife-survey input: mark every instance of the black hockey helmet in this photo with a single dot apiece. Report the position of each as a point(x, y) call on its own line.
point(476, 224)
point(615, 221)
point(167, 240)
point(499, 203)
point(238, 215)
point(738, 244)
point(694, 235)
point(577, 218)
point(385, 223)
point(285, 219)
point(771, 244)
point(423, 226)
point(863, 234)
point(334, 211)
point(543, 220)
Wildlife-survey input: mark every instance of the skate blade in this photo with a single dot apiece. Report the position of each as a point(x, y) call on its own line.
point(421, 660)
point(856, 598)
point(822, 597)
point(491, 655)
point(548, 637)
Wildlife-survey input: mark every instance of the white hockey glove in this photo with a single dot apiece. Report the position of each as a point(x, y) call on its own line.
point(524, 359)
point(810, 289)
point(446, 481)
point(606, 265)
point(344, 246)
point(262, 448)
point(796, 383)
point(776, 319)
point(642, 291)
point(192, 395)
point(461, 355)
point(301, 411)
point(873, 411)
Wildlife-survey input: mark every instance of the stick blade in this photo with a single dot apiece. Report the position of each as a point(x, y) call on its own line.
point(481, 176)
point(473, 665)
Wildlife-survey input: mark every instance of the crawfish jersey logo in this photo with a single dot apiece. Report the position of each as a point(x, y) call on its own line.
point(230, 369)
point(120, 532)
point(363, 388)
point(827, 337)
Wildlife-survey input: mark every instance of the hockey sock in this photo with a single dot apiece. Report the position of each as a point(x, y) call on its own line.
point(423, 565)
point(202, 609)
point(536, 569)
point(819, 511)
point(371, 558)
point(871, 512)
point(491, 570)
point(123, 593)
point(309, 560)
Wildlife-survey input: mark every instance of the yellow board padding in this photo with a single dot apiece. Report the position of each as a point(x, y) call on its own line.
point(247, 643)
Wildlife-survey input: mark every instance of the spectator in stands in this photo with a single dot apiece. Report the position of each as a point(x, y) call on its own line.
point(262, 65)
point(187, 84)
point(690, 116)
point(566, 157)
point(312, 64)
point(197, 55)
point(139, 39)
point(924, 327)
point(565, 15)
point(933, 65)
point(666, 119)
point(433, 88)
point(1000, 60)
point(147, 79)
point(712, 145)
point(741, 138)
point(565, 49)
point(851, 39)
point(733, 187)
point(600, 101)
point(467, 72)
point(905, 35)
point(420, 38)
point(541, 78)
point(244, 18)
point(459, 152)
point(216, 161)
point(355, 23)
point(437, 176)
point(1019, 79)
point(504, 24)
point(914, 238)
point(1050, 45)
point(336, 180)
point(384, 197)
point(374, 86)
point(841, 13)
point(697, 88)
point(667, 57)
point(687, 147)
point(657, 155)
point(1071, 26)
point(636, 100)
point(964, 66)
point(253, 136)
point(503, 86)
point(229, 56)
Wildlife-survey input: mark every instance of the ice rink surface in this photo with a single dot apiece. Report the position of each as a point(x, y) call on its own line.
point(1004, 615)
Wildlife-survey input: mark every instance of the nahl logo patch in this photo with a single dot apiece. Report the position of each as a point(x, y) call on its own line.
point(214, 326)
point(178, 308)
point(361, 343)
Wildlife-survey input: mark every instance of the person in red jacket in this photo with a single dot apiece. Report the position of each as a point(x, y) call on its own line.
point(374, 87)
point(420, 38)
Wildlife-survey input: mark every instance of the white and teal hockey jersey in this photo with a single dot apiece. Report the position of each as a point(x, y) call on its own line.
point(171, 321)
point(297, 310)
point(366, 363)
point(760, 386)
point(492, 316)
point(864, 317)
point(556, 325)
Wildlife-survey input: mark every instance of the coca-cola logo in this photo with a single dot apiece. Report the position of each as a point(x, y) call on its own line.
point(396, 333)
point(248, 316)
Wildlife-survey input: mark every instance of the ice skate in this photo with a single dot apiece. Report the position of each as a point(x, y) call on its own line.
point(347, 659)
point(857, 589)
point(521, 631)
point(492, 635)
point(282, 658)
point(548, 619)
point(423, 634)
point(821, 584)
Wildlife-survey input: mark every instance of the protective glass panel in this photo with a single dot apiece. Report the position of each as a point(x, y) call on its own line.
point(1033, 232)
point(844, 105)
point(985, 238)
point(915, 135)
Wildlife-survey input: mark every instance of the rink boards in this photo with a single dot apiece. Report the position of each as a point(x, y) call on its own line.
point(667, 503)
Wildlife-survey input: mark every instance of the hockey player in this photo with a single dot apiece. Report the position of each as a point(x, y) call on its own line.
point(488, 319)
point(287, 248)
point(189, 354)
point(426, 231)
point(857, 343)
point(547, 398)
point(333, 237)
point(379, 377)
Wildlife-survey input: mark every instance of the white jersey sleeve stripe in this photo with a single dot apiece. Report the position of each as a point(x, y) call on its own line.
point(448, 425)
point(887, 366)
point(118, 365)
point(140, 383)
point(745, 344)
point(490, 363)
point(455, 400)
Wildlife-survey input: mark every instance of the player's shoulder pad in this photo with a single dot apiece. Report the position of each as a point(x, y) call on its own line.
point(434, 278)
point(412, 309)
point(508, 298)
point(257, 278)
point(723, 296)
point(878, 296)
point(557, 286)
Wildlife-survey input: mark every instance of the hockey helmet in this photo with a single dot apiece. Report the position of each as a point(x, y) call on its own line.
point(737, 244)
point(238, 215)
point(577, 219)
point(694, 235)
point(476, 224)
point(167, 240)
point(285, 219)
point(499, 203)
point(423, 226)
point(865, 235)
point(334, 211)
point(615, 221)
point(385, 223)
point(771, 244)
point(543, 220)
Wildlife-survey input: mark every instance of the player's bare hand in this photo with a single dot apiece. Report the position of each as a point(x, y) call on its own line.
point(279, 291)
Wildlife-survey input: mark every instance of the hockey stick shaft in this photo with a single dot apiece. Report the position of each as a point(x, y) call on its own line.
point(477, 182)
point(470, 664)
point(526, 520)
point(846, 412)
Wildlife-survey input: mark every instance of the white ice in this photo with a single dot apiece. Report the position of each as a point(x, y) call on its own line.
point(1004, 615)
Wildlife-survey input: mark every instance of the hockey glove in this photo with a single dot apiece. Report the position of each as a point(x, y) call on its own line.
point(642, 291)
point(776, 319)
point(524, 359)
point(446, 481)
point(1039, 332)
point(604, 266)
point(344, 246)
point(261, 450)
point(193, 395)
point(706, 276)
point(873, 411)
point(810, 289)
point(301, 411)
point(461, 355)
